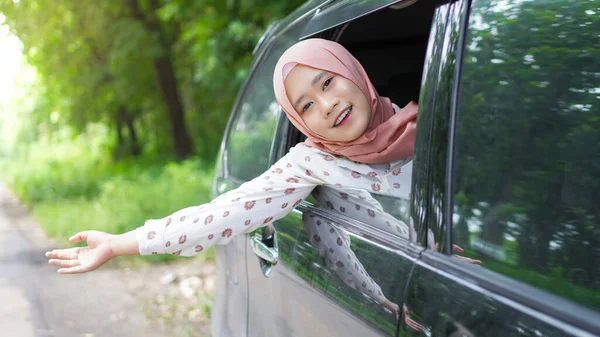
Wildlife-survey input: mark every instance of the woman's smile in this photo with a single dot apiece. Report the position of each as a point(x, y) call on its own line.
point(344, 117)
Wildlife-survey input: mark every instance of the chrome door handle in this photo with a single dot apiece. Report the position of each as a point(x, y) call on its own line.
point(263, 251)
point(264, 245)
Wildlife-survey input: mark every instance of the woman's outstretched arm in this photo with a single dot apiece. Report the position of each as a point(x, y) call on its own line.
point(101, 247)
point(191, 230)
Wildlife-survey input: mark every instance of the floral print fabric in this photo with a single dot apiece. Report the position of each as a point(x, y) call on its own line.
point(267, 198)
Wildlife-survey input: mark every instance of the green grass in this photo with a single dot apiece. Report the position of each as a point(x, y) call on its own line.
point(70, 187)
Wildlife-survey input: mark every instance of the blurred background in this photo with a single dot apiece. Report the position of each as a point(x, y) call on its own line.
point(112, 112)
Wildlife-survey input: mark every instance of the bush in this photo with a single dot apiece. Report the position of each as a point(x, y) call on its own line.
point(74, 192)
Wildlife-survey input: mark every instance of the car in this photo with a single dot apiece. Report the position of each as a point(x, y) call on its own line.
point(505, 168)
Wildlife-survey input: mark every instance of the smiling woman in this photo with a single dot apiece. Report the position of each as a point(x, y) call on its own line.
point(374, 132)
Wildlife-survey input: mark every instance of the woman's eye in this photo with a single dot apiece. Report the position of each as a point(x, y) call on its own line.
point(326, 83)
point(306, 107)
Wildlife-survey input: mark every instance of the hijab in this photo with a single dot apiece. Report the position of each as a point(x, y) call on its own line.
point(390, 135)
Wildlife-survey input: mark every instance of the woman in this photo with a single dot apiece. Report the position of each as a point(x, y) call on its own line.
point(356, 139)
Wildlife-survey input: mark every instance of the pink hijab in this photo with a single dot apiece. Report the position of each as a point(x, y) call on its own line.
point(389, 136)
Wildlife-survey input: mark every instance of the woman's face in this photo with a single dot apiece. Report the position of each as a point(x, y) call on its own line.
point(331, 105)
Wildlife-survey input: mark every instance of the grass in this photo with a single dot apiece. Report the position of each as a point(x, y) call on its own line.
point(72, 186)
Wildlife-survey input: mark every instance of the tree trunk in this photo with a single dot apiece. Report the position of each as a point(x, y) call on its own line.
point(169, 90)
point(119, 124)
point(135, 148)
point(119, 149)
point(166, 79)
point(126, 146)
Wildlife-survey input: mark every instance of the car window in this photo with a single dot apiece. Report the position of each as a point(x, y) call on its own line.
point(526, 190)
point(251, 135)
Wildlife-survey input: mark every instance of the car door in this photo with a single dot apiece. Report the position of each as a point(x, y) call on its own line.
point(250, 136)
point(342, 265)
point(512, 155)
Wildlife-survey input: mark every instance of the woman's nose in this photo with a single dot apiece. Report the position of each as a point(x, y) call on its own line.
point(328, 105)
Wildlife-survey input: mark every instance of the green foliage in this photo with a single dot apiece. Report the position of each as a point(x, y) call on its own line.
point(218, 45)
point(114, 80)
point(141, 65)
point(244, 147)
point(71, 189)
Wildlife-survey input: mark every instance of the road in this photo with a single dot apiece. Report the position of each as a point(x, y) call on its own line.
point(36, 301)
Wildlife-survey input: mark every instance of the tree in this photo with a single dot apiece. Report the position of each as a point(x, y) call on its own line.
point(165, 72)
point(156, 72)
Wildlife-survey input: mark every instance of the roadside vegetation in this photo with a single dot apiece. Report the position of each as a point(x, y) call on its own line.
point(118, 108)
point(75, 185)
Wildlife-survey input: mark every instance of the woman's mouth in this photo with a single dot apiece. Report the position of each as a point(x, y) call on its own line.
point(344, 117)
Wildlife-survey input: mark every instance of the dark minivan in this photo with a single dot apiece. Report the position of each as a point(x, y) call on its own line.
point(506, 171)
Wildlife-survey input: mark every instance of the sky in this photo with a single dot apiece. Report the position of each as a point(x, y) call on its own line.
point(10, 61)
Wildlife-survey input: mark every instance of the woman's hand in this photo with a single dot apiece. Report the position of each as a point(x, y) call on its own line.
point(83, 259)
point(410, 322)
point(393, 307)
point(458, 249)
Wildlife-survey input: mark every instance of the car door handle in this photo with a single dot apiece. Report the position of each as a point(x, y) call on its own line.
point(264, 245)
point(262, 250)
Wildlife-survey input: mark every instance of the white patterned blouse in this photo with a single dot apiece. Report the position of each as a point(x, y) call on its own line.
point(269, 197)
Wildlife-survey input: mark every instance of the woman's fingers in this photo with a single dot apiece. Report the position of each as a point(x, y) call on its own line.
point(64, 263)
point(72, 270)
point(64, 254)
point(457, 249)
point(468, 259)
point(81, 236)
point(414, 325)
point(477, 262)
point(66, 250)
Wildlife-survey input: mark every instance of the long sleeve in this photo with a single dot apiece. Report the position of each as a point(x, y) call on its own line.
point(254, 204)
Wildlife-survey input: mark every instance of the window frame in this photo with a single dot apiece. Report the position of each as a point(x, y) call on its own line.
point(422, 223)
point(324, 19)
point(563, 314)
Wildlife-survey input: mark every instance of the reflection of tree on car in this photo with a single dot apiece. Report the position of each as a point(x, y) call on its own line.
point(529, 202)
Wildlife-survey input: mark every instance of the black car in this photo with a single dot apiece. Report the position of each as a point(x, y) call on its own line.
point(506, 171)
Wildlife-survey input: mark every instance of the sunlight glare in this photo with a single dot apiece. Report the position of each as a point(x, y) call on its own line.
point(10, 61)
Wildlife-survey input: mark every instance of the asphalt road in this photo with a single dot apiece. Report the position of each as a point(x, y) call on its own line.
point(36, 301)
